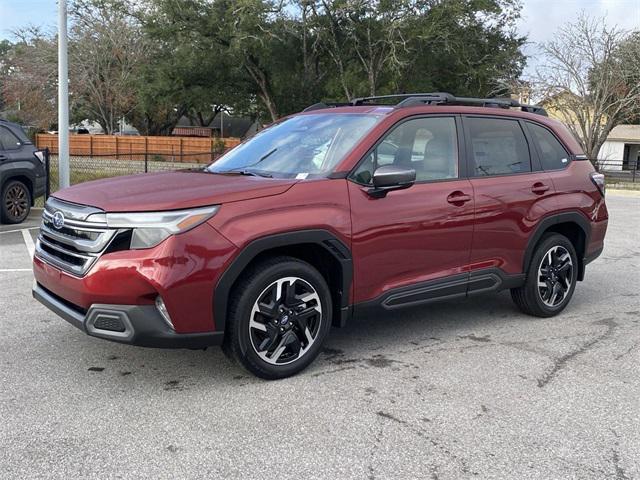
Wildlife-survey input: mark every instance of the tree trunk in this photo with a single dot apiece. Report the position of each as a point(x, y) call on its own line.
point(263, 84)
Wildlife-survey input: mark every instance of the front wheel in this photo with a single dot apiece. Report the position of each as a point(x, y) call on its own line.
point(16, 202)
point(551, 279)
point(279, 317)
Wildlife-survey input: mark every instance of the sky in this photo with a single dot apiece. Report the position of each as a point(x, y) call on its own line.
point(540, 18)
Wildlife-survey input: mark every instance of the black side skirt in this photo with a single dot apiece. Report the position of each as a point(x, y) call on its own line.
point(455, 286)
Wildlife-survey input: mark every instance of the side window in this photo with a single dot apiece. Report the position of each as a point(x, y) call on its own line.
point(498, 146)
point(8, 141)
point(427, 145)
point(552, 153)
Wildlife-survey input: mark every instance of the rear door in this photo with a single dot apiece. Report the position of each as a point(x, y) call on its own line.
point(510, 189)
point(421, 234)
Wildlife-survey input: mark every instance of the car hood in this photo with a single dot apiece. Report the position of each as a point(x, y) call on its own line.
point(171, 191)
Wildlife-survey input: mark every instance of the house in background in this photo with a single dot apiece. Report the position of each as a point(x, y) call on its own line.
point(621, 150)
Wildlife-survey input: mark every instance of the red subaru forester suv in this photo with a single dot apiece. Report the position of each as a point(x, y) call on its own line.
point(339, 210)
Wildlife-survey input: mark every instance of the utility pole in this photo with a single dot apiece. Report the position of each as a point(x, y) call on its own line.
point(63, 96)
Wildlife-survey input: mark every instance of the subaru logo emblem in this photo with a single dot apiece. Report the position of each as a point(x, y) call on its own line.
point(58, 220)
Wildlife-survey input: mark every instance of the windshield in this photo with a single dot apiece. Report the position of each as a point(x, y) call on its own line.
point(302, 146)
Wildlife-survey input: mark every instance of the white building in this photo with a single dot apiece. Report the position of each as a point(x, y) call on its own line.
point(621, 151)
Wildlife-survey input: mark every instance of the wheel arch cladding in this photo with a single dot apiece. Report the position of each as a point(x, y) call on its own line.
point(320, 248)
point(572, 225)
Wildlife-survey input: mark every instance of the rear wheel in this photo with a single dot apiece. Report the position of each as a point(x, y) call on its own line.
point(551, 278)
point(279, 316)
point(16, 202)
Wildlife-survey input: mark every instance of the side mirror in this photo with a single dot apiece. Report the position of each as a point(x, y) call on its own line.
point(389, 178)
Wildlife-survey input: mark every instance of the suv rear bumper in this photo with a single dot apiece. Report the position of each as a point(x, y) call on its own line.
point(140, 325)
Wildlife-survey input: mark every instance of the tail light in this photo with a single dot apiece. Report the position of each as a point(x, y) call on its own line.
point(598, 181)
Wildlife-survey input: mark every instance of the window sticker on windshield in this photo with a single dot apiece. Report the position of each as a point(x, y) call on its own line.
point(302, 176)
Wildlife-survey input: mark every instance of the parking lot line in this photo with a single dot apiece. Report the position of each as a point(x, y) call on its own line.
point(19, 230)
point(28, 241)
point(15, 270)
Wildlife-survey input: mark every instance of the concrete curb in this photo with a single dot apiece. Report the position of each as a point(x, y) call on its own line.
point(624, 193)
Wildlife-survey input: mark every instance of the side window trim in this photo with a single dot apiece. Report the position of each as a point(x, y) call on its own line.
point(18, 143)
point(534, 152)
point(539, 151)
point(469, 147)
point(462, 163)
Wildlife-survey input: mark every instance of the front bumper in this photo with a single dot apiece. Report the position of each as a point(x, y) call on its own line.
point(183, 270)
point(140, 325)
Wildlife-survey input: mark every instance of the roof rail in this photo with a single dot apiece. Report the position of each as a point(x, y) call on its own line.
point(323, 105)
point(435, 98)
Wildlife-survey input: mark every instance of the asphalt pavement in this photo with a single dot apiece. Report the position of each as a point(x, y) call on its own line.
point(466, 389)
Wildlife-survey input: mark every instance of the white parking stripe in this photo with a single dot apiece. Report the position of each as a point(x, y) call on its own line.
point(15, 270)
point(19, 230)
point(28, 241)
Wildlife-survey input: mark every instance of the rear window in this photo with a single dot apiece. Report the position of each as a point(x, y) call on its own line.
point(552, 154)
point(498, 146)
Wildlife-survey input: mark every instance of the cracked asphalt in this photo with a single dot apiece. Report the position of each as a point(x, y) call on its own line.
point(467, 389)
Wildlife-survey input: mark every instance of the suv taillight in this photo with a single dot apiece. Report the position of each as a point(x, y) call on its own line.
point(598, 181)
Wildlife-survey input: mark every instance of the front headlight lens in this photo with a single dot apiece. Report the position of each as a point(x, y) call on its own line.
point(39, 154)
point(151, 228)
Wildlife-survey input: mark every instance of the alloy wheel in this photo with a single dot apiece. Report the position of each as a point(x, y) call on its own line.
point(555, 276)
point(16, 202)
point(285, 320)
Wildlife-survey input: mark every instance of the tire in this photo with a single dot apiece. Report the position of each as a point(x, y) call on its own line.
point(272, 334)
point(16, 202)
point(548, 290)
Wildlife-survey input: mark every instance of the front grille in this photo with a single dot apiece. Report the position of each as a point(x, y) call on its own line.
point(76, 245)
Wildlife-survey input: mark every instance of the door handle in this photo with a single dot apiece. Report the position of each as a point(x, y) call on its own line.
point(458, 198)
point(3, 158)
point(539, 188)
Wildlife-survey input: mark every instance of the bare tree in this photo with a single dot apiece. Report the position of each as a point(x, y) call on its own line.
point(30, 78)
point(591, 80)
point(106, 49)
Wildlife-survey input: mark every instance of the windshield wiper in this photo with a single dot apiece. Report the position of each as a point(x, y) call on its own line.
point(244, 171)
point(246, 167)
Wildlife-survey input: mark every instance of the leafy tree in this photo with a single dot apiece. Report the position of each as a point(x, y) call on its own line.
point(467, 48)
point(379, 47)
point(154, 61)
point(192, 71)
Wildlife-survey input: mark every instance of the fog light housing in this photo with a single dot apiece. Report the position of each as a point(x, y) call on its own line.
point(162, 308)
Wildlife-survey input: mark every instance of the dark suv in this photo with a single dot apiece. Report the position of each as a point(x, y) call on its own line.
point(340, 210)
point(22, 173)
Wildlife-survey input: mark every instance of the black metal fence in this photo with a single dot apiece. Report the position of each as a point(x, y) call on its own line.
point(83, 168)
point(619, 171)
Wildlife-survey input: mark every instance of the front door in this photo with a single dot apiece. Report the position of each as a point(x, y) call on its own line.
point(406, 241)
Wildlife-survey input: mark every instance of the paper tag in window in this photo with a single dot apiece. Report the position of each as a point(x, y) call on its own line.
point(302, 176)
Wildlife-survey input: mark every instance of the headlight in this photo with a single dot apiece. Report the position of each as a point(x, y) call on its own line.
point(151, 228)
point(39, 154)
